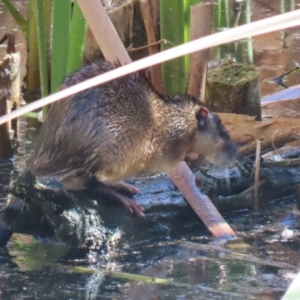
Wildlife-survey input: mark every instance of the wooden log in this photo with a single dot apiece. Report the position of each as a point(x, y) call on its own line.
point(233, 87)
point(83, 221)
point(46, 209)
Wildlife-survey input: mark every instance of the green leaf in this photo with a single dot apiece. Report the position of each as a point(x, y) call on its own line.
point(77, 40)
point(60, 41)
point(20, 20)
point(172, 29)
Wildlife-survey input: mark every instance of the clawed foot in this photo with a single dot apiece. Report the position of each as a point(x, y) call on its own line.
point(130, 205)
point(125, 187)
point(111, 193)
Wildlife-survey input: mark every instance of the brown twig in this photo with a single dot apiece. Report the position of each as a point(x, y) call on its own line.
point(292, 163)
point(11, 48)
point(130, 49)
point(270, 143)
point(256, 174)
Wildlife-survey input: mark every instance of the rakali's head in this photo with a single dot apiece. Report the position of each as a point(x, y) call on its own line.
point(211, 139)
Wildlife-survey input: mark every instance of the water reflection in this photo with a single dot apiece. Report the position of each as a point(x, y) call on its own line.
point(273, 54)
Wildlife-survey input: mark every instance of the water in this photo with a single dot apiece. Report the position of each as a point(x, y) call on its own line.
point(175, 245)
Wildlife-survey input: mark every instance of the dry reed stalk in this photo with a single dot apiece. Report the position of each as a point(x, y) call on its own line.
point(184, 179)
point(201, 23)
point(271, 143)
point(156, 77)
point(286, 163)
point(104, 32)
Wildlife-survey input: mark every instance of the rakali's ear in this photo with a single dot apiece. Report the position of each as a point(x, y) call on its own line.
point(202, 116)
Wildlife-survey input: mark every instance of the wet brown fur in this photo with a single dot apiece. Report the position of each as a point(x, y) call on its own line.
point(115, 130)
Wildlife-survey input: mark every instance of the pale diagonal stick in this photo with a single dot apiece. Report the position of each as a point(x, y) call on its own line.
point(105, 34)
point(201, 15)
point(184, 179)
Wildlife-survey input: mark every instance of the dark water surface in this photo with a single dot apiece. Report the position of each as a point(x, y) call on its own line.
point(177, 250)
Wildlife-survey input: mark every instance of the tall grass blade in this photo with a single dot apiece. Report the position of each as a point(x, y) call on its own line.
point(20, 20)
point(172, 29)
point(187, 22)
point(42, 47)
point(77, 39)
point(47, 14)
point(60, 41)
point(33, 75)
